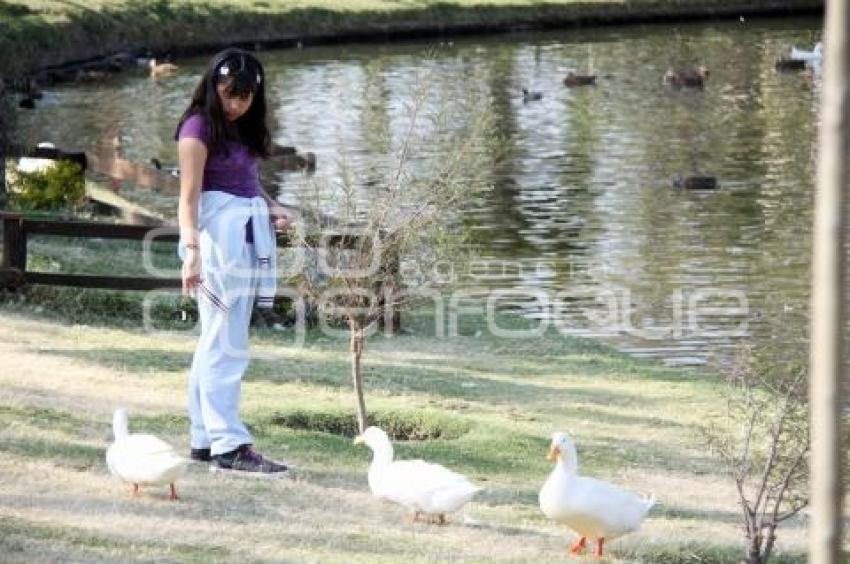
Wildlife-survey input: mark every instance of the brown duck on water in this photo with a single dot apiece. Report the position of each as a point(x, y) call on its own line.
point(288, 158)
point(694, 182)
point(691, 77)
point(161, 70)
point(574, 79)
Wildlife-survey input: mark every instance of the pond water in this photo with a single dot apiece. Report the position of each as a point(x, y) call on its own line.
point(581, 217)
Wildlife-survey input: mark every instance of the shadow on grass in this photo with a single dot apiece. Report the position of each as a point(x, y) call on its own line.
point(138, 361)
point(16, 536)
point(45, 418)
point(510, 531)
point(488, 453)
point(605, 452)
point(390, 377)
point(199, 512)
point(718, 516)
point(523, 456)
point(64, 453)
point(698, 554)
point(510, 496)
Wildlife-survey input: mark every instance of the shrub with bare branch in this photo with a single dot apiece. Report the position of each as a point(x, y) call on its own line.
point(763, 440)
point(382, 230)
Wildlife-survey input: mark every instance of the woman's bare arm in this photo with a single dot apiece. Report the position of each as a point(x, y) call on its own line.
point(192, 156)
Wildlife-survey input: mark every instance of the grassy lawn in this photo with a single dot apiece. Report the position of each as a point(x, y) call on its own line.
point(635, 423)
point(34, 33)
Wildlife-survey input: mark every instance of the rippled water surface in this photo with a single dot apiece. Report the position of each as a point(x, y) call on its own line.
point(582, 214)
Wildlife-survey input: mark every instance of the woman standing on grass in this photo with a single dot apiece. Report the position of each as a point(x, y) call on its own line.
point(227, 244)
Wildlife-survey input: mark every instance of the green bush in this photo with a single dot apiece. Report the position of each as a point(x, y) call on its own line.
point(96, 306)
point(60, 186)
point(399, 425)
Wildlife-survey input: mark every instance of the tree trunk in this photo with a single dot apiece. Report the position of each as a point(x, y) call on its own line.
point(828, 306)
point(754, 555)
point(357, 375)
point(768, 545)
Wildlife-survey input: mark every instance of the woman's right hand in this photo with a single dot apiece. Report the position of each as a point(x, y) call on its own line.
point(191, 273)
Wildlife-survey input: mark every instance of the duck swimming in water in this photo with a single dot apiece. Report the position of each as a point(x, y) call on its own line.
point(692, 77)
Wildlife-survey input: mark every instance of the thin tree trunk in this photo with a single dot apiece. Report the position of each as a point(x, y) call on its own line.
point(357, 376)
point(828, 288)
point(754, 549)
point(754, 557)
point(768, 546)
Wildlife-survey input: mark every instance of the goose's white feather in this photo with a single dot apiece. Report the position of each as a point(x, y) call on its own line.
point(421, 486)
point(592, 508)
point(418, 485)
point(141, 458)
point(809, 56)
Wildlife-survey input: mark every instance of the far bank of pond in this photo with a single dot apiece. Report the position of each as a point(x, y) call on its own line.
point(41, 33)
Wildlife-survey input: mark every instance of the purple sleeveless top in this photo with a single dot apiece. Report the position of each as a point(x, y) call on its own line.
point(235, 172)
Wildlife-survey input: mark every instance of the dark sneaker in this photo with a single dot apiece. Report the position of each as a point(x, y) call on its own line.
point(200, 454)
point(245, 460)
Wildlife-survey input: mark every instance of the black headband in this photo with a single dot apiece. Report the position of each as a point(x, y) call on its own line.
point(223, 68)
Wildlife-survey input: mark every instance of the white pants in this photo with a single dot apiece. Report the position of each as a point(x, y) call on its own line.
point(220, 360)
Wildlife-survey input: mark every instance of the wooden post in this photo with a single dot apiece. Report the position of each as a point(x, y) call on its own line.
point(14, 252)
point(14, 242)
point(828, 319)
point(6, 113)
point(3, 191)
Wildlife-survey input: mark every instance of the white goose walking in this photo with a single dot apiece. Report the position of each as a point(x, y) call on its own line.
point(592, 508)
point(423, 488)
point(141, 459)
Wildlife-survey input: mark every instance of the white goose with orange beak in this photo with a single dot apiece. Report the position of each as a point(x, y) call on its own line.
point(592, 508)
point(428, 490)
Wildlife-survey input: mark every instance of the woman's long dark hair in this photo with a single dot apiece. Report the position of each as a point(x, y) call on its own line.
point(245, 76)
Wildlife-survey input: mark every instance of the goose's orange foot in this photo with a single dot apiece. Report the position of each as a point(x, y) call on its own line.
point(598, 552)
point(173, 496)
point(578, 546)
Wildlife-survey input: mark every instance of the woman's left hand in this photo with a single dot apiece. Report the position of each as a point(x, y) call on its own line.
point(280, 217)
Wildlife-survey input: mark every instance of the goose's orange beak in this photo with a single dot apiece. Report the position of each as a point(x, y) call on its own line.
point(554, 453)
point(358, 440)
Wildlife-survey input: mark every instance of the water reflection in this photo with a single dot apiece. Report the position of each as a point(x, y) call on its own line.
point(582, 205)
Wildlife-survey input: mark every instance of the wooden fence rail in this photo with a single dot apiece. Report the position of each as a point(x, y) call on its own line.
point(17, 228)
